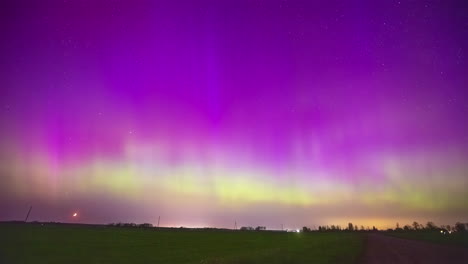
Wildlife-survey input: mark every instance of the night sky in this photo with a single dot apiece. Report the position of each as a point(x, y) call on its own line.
point(210, 112)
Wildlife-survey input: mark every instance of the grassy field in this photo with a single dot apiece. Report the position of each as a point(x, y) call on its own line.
point(27, 243)
point(460, 239)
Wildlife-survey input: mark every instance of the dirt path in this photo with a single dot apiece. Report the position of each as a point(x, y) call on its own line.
point(381, 249)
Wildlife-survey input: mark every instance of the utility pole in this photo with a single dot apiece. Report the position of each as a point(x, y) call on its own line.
point(235, 225)
point(159, 217)
point(27, 216)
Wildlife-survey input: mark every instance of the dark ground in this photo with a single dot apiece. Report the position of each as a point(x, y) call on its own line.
point(88, 244)
point(65, 243)
point(383, 249)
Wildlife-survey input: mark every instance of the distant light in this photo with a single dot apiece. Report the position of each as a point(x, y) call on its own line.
point(441, 231)
point(298, 230)
point(75, 214)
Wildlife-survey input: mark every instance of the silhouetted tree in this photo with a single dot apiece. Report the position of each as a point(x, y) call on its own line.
point(355, 228)
point(374, 229)
point(407, 228)
point(398, 228)
point(460, 227)
point(305, 229)
point(350, 227)
point(431, 226)
point(415, 225)
point(362, 228)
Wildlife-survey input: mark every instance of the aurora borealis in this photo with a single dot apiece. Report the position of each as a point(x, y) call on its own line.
point(210, 112)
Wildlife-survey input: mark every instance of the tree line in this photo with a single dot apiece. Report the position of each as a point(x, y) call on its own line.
point(144, 225)
point(415, 226)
